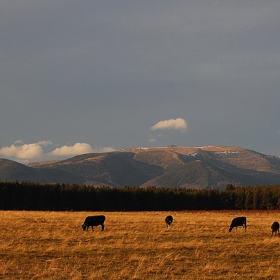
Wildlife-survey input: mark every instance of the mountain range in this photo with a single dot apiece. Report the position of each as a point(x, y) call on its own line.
point(172, 166)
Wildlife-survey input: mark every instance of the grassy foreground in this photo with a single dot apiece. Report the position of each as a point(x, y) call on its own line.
point(137, 245)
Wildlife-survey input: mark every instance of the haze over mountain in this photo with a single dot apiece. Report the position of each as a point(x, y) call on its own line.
point(190, 167)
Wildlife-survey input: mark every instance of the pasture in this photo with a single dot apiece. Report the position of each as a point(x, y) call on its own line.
point(137, 245)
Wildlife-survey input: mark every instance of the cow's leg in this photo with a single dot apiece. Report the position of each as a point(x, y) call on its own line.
point(102, 227)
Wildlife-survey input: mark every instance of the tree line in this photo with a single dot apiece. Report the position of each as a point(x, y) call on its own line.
point(61, 197)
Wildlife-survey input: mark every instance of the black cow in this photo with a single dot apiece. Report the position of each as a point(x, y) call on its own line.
point(168, 221)
point(93, 221)
point(275, 228)
point(238, 222)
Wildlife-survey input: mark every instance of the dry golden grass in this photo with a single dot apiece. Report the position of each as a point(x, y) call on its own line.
point(137, 245)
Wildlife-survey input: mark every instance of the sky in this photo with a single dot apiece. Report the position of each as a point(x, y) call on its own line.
point(97, 76)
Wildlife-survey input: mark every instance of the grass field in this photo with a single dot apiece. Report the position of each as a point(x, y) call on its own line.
point(137, 245)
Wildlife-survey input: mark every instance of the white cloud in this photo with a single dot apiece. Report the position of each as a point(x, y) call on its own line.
point(24, 151)
point(76, 149)
point(176, 124)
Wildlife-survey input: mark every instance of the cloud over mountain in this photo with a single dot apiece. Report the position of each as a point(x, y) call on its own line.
point(76, 149)
point(24, 151)
point(34, 151)
point(175, 124)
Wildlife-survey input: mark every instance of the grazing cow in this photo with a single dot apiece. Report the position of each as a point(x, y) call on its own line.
point(238, 222)
point(93, 221)
point(168, 221)
point(275, 228)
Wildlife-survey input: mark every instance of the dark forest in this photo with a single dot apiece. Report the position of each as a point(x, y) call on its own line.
point(62, 197)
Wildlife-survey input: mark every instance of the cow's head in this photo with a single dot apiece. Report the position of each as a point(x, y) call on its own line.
point(84, 227)
point(229, 229)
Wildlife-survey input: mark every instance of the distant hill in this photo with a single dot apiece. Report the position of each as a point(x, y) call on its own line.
point(190, 167)
point(13, 171)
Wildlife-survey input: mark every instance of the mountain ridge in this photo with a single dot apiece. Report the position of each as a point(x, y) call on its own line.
point(171, 166)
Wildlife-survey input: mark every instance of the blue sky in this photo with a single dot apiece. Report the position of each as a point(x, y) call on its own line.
point(94, 76)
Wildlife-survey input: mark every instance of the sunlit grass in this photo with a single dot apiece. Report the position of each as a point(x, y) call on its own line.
point(137, 245)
